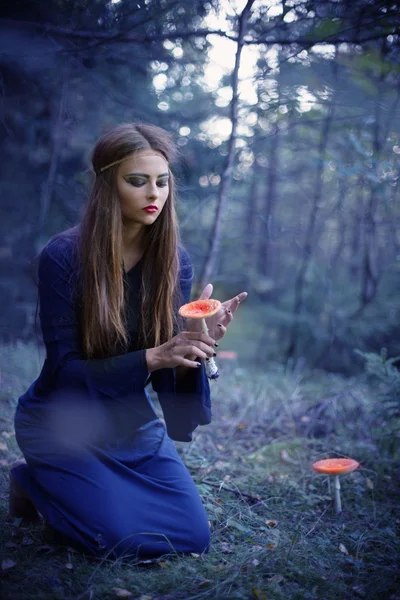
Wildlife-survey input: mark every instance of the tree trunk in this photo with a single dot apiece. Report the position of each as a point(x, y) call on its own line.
point(358, 225)
point(342, 225)
point(216, 234)
point(57, 139)
point(371, 271)
point(264, 258)
point(309, 236)
point(252, 231)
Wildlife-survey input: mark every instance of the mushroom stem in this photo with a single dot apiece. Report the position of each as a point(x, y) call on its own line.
point(338, 503)
point(211, 368)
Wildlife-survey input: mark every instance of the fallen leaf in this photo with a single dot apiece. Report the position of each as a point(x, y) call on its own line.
point(69, 565)
point(343, 549)
point(271, 545)
point(163, 564)
point(227, 548)
point(286, 458)
point(7, 564)
point(205, 582)
point(195, 555)
point(121, 593)
point(255, 562)
point(271, 523)
point(370, 484)
point(3, 446)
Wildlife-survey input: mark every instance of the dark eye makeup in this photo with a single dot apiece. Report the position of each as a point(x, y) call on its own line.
point(139, 182)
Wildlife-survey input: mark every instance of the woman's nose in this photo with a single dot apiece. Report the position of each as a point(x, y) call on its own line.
point(153, 190)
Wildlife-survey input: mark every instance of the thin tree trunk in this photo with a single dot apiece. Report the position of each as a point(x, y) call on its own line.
point(342, 225)
point(216, 234)
point(264, 259)
point(309, 236)
point(252, 230)
point(358, 226)
point(57, 138)
point(340, 245)
point(371, 273)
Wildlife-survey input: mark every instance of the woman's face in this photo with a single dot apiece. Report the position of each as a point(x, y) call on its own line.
point(142, 180)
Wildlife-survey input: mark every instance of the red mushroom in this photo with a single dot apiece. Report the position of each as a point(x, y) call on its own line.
point(200, 309)
point(336, 467)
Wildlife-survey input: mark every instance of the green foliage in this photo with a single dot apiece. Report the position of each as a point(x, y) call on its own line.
point(326, 28)
point(385, 376)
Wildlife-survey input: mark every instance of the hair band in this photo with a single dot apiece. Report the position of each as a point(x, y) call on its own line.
point(116, 162)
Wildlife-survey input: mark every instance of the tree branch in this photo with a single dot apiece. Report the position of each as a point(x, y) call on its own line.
point(123, 37)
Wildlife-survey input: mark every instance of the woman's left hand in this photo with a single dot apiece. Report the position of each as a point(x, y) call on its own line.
point(218, 323)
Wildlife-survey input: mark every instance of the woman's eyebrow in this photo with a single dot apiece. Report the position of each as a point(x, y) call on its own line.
point(145, 175)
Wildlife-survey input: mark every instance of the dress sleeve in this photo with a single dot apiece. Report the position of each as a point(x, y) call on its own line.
point(59, 318)
point(186, 401)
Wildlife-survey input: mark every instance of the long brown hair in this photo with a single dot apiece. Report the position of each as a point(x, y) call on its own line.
point(99, 250)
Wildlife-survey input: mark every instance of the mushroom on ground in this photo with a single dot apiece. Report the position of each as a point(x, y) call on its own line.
point(336, 467)
point(200, 309)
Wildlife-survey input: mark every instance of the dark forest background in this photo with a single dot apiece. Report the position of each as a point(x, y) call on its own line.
point(298, 204)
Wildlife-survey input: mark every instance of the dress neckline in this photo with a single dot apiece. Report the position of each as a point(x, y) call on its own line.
point(134, 266)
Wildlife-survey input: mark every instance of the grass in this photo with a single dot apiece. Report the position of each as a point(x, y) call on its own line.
point(274, 532)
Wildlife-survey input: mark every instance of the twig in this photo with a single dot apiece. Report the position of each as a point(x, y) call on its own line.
point(316, 522)
point(237, 492)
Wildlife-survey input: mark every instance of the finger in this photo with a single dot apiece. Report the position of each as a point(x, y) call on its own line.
point(206, 293)
point(201, 350)
point(199, 336)
point(208, 349)
point(229, 314)
point(193, 351)
point(222, 329)
point(237, 300)
point(186, 362)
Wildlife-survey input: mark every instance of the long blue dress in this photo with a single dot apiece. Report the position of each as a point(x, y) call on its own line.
point(101, 466)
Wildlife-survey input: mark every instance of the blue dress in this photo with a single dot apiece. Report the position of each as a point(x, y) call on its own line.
point(102, 468)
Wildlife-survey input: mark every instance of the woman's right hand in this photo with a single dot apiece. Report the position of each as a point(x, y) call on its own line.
point(184, 349)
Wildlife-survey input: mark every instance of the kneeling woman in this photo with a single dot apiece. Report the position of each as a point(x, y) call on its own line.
point(101, 468)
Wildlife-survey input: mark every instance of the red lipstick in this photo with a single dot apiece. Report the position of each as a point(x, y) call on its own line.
point(151, 208)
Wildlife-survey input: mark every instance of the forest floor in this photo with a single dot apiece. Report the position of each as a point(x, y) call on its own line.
point(275, 535)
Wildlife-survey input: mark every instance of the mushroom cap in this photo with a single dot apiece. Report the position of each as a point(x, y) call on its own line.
point(198, 309)
point(335, 466)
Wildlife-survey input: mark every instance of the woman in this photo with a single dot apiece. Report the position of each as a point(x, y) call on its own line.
point(101, 467)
